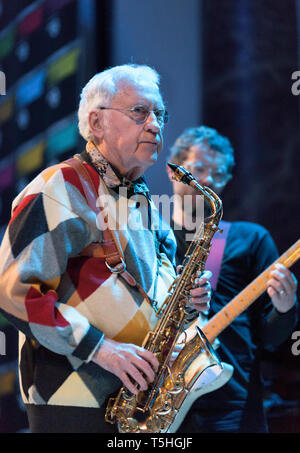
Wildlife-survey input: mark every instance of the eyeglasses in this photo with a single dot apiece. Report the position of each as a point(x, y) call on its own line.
point(220, 177)
point(140, 114)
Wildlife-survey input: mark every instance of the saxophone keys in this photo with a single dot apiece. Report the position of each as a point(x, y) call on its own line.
point(175, 383)
point(128, 397)
point(154, 424)
point(163, 404)
point(110, 414)
point(164, 410)
point(178, 388)
point(128, 425)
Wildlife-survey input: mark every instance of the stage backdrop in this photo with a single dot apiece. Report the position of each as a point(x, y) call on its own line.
point(47, 52)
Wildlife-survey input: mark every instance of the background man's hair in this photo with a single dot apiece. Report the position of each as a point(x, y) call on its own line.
point(197, 136)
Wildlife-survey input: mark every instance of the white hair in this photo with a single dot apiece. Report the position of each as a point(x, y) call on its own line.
point(102, 87)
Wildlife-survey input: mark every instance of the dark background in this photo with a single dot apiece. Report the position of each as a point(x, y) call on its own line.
point(227, 64)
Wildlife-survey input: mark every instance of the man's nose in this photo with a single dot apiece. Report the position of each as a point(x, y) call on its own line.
point(152, 123)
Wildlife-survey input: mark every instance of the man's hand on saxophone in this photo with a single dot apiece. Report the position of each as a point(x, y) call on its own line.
point(134, 365)
point(200, 294)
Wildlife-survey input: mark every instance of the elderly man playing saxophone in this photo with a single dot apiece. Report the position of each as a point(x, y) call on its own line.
point(81, 324)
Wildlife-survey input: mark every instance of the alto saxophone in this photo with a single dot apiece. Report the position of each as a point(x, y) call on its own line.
point(161, 408)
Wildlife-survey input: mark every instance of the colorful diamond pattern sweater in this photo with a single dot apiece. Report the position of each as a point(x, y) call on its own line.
point(57, 290)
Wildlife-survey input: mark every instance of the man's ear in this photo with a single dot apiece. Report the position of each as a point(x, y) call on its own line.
point(96, 124)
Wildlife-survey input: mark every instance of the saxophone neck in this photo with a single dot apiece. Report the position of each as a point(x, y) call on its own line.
point(214, 201)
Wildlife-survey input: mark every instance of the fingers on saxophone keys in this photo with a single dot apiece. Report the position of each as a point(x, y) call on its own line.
point(200, 295)
point(139, 372)
point(202, 278)
point(133, 380)
point(201, 288)
point(202, 306)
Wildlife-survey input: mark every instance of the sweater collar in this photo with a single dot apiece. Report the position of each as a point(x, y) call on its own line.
point(110, 175)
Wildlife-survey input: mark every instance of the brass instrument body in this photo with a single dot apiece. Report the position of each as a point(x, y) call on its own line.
point(161, 407)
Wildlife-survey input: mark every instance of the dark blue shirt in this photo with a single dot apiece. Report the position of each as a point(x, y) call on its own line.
point(238, 405)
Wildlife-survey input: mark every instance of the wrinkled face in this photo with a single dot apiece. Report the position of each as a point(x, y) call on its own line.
point(129, 145)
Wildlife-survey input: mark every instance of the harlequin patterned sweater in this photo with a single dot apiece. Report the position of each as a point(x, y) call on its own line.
point(57, 290)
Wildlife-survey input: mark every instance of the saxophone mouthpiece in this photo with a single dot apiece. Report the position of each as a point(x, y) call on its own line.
point(172, 166)
point(181, 174)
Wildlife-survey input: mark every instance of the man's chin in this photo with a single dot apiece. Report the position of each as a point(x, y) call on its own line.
point(152, 157)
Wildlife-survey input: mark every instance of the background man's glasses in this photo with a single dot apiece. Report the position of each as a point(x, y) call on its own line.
point(219, 177)
point(140, 114)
